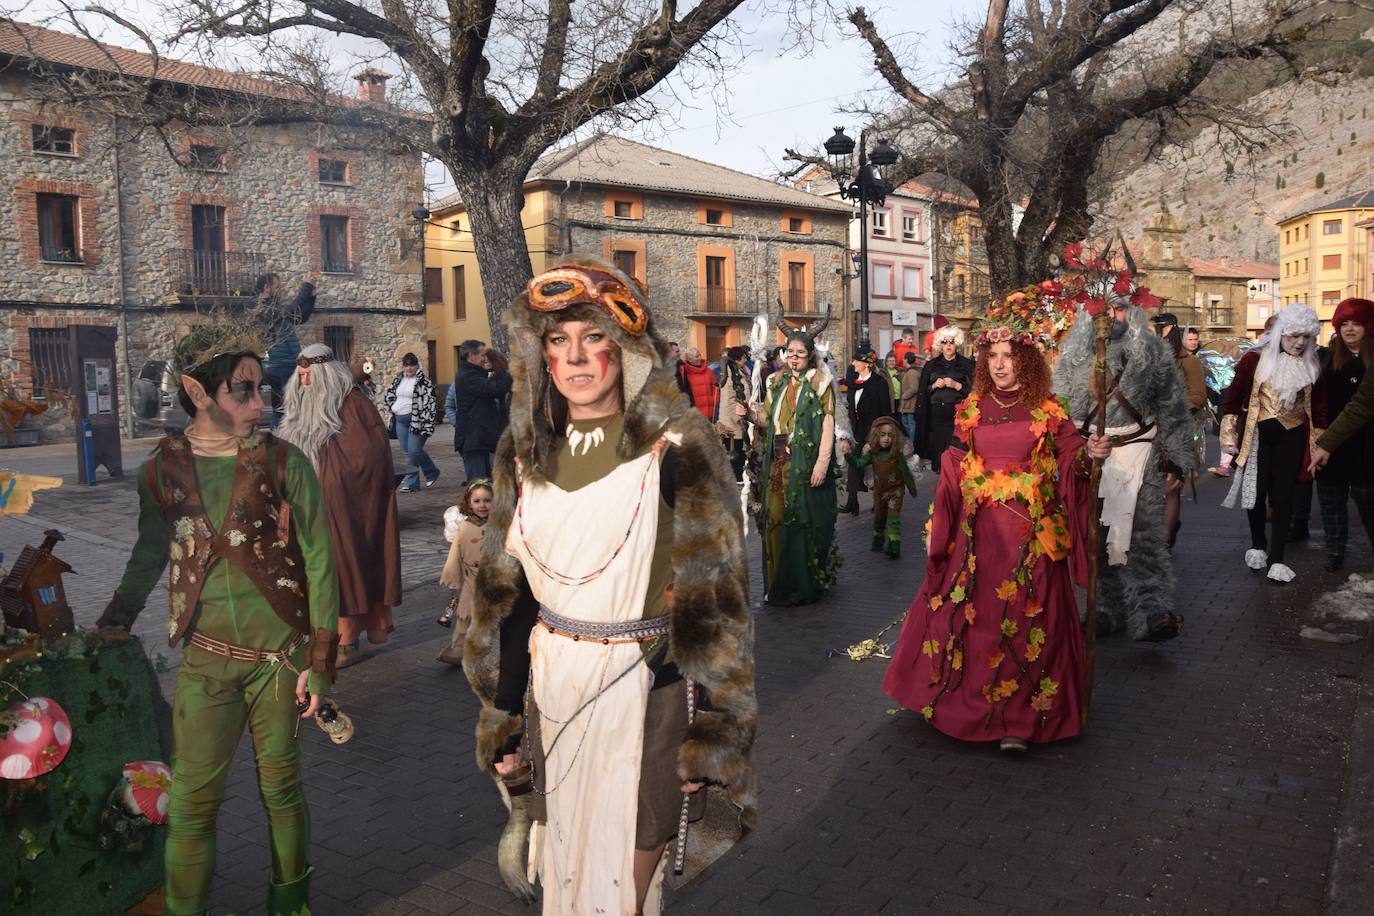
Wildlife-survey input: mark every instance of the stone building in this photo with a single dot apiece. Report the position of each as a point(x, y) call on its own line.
point(102, 226)
point(714, 246)
point(1221, 297)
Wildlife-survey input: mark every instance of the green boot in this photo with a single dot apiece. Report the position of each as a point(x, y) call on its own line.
point(291, 898)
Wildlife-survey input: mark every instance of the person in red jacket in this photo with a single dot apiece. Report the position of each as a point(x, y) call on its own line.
point(697, 379)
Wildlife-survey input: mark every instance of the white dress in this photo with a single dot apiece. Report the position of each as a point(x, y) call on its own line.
point(585, 861)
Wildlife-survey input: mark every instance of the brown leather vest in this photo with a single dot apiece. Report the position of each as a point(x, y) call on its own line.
point(255, 535)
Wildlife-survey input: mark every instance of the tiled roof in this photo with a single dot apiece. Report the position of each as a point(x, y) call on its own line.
point(1361, 201)
point(1232, 267)
point(30, 42)
point(617, 162)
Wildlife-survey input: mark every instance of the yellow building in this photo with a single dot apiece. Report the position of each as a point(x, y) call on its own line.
point(456, 308)
point(1323, 255)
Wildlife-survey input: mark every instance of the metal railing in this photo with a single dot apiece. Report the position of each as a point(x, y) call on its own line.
point(336, 266)
point(715, 299)
point(800, 300)
point(203, 272)
point(61, 255)
point(1219, 316)
point(49, 354)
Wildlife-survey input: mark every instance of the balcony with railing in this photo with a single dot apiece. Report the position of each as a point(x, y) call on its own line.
point(800, 302)
point(716, 300)
point(203, 273)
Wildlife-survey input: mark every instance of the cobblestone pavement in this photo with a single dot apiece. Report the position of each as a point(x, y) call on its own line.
point(1211, 779)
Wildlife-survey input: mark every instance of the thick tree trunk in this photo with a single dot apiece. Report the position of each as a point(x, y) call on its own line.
point(493, 200)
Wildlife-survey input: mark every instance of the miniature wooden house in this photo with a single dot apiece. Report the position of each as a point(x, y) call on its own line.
point(31, 595)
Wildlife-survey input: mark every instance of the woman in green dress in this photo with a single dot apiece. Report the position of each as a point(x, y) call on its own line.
point(797, 514)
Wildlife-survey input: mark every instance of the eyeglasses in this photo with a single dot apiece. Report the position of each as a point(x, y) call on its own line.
point(563, 287)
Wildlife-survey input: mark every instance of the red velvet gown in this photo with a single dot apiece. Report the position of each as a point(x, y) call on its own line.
point(985, 679)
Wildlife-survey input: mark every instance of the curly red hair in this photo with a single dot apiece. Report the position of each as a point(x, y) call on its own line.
point(1032, 373)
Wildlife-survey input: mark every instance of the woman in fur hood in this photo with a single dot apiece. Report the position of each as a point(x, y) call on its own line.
point(611, 642)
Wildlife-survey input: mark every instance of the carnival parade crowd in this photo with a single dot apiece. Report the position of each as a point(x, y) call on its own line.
point(600, 597)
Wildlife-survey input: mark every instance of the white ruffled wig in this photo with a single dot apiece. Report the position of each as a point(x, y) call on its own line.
point(949, 332)
point(1296, 318)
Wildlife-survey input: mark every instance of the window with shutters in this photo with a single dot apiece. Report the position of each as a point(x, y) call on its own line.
point(59, 229)
point(56, 141)
point(434, 284)
point(334, 245)
point(460, 293)
point(333, 171)
point(339, 338)
point(207, 158)
point(1331, 262)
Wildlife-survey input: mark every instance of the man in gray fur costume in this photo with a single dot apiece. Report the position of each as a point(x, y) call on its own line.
point(1152, 449)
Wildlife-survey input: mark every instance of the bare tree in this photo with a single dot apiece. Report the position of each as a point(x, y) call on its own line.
point(1054, 91)
point(495, 83)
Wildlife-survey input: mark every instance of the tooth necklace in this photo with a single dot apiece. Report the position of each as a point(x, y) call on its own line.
point(588, 441)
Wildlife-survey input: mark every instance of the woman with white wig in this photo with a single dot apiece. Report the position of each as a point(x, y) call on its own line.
point(946, 380)
point(1267, 424)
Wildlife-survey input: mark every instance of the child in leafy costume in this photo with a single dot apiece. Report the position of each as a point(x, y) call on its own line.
point(255, 598)
point(886, 452)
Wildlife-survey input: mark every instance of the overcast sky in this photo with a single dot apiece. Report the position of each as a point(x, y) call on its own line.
point(775, 97)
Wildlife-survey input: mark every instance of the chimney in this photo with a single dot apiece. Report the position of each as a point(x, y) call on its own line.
point(372, 85)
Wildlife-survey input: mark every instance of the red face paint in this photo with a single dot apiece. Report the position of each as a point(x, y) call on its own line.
point(604, 358)
point(553, 365)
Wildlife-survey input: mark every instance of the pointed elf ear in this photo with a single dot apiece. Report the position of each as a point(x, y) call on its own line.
point(196, 391)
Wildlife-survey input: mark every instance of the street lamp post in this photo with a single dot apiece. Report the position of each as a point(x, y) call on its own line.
point(866, 187)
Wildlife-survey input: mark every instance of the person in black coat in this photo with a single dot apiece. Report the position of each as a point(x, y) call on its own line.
point(946, 379)
point(869, 397)
point(1349, 473)
point(480, 413)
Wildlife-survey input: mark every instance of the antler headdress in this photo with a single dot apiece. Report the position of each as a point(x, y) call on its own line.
point(806, 335)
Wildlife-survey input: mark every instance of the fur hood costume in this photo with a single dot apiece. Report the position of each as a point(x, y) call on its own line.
point(1152, 431)
point(711, 630)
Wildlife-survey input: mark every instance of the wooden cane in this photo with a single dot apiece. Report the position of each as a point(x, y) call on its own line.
point(1102, 330)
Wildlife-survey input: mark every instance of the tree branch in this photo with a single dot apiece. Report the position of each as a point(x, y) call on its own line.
point(891, 71)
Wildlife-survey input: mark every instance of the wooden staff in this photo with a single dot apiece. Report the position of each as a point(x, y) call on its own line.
point(1102, 331)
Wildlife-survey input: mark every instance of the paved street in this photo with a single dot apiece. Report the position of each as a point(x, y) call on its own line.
point(1214, 776)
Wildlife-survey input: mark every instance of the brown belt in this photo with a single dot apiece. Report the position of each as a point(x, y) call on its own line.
point(243, 653)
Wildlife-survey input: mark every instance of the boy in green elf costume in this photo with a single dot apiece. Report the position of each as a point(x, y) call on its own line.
point(254, 597)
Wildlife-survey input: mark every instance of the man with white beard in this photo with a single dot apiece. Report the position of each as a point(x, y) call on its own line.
point(328, 417)
point(1267, 424)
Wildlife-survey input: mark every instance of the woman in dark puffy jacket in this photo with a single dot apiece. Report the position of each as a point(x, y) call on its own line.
point(1349, 473)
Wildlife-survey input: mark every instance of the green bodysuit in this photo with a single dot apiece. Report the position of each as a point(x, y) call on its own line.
point(217, 696)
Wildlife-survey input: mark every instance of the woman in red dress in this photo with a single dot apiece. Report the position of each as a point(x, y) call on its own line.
point(992, 648)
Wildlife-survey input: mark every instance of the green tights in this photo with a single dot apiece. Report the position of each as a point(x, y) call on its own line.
point(215, 698)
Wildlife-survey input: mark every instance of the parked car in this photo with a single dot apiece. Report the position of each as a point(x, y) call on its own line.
point(157, 408)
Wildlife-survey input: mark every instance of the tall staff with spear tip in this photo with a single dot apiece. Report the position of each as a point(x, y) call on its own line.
point(1102, 332)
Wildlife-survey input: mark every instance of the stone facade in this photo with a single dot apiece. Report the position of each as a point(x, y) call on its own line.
point(715, 247)
point(145, 260)
point(761, 262)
